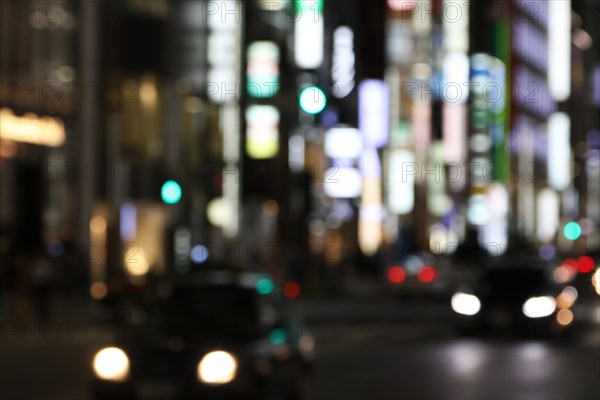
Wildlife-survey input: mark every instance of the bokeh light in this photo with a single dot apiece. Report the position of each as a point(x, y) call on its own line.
point(264, 286)
point(199, 254)
point(585, 264)
point(427, 274)
point(171, 192)
point(396, 274)
point(572, 230)
point(312, 100)
point(564, 317)
point(291, 289)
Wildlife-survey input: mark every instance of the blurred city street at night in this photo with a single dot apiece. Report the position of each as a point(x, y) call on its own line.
point(299, 199)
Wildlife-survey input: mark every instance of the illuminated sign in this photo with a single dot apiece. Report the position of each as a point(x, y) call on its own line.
point(530, 44)
point(559, 48)
point(30, 128)
point(438, 202)
point(531, 92)
point(370, 215)
point(262, 69)
point(548, 213)
point(224, 21)
point(478, 211)
point(373, 112)
point(262, 131)
point(308, 34)
point(343, 143)
point(342, 68)
point(559, 151)
point(401, 183)
point(454, 121)
point(342, 182)
point(456, 74)
point(422, 18)
point(455, 22)
point(398, 42)
point(370, 166)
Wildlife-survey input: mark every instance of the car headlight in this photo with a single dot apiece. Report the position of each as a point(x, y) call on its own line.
point(111, 364)
point(538, 307)
point(466, 304)
point(217, 368)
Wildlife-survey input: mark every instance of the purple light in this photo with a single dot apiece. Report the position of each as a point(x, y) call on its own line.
point(329, 118)
point(369, 164)
point(596, 85)
point(343, 162)
point(373, 112)
point(593, 139)
point(128, 216)
point(547, 251)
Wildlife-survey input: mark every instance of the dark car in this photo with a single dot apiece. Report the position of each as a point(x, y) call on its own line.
point(223, 335)
point(420, 275)
point(515, 299)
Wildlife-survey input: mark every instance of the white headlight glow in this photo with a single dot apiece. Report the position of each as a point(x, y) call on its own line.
point(111, 364)
point(538, 307)
point(217, 368)
point(466, 304)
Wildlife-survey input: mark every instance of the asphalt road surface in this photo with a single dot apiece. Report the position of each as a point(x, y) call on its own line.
point(368, 349)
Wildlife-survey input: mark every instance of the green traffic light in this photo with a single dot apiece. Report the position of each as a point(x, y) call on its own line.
point(171, 192)
point(572, 230)
point(312, 100)
point(278, 336)
point(264, 286)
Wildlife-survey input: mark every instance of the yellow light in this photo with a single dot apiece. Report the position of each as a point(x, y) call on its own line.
point(596, 281)
point(262, 131)
point(564, 317)
point(148, 92)
point(369, 221)
point(98, 225)
point(220, 212)
point(564, 300)
point(30, 128)
point(111, 364)
point(136, 263)
point(217, 368)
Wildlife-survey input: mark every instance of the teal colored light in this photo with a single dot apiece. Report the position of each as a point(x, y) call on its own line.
point(572, 230)
point(171, 192)
point(264, 286)
point(312, 100)
point(277, 336)
point(262, 88)
point(310, 5)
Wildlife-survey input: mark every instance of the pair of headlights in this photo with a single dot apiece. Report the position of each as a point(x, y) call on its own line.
point(534, 307)
point(215, 368)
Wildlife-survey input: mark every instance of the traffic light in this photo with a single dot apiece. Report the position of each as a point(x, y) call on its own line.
point(171, 192)
point(312, 100)
point(572, 230)
point(264, 286)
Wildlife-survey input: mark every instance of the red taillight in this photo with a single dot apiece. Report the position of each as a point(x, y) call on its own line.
point(427, 274)
point(585, 264)
point(396, 274)
point(291, 289)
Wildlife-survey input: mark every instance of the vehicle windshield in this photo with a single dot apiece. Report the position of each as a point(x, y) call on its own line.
point(516, 279)
point(220, 310)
